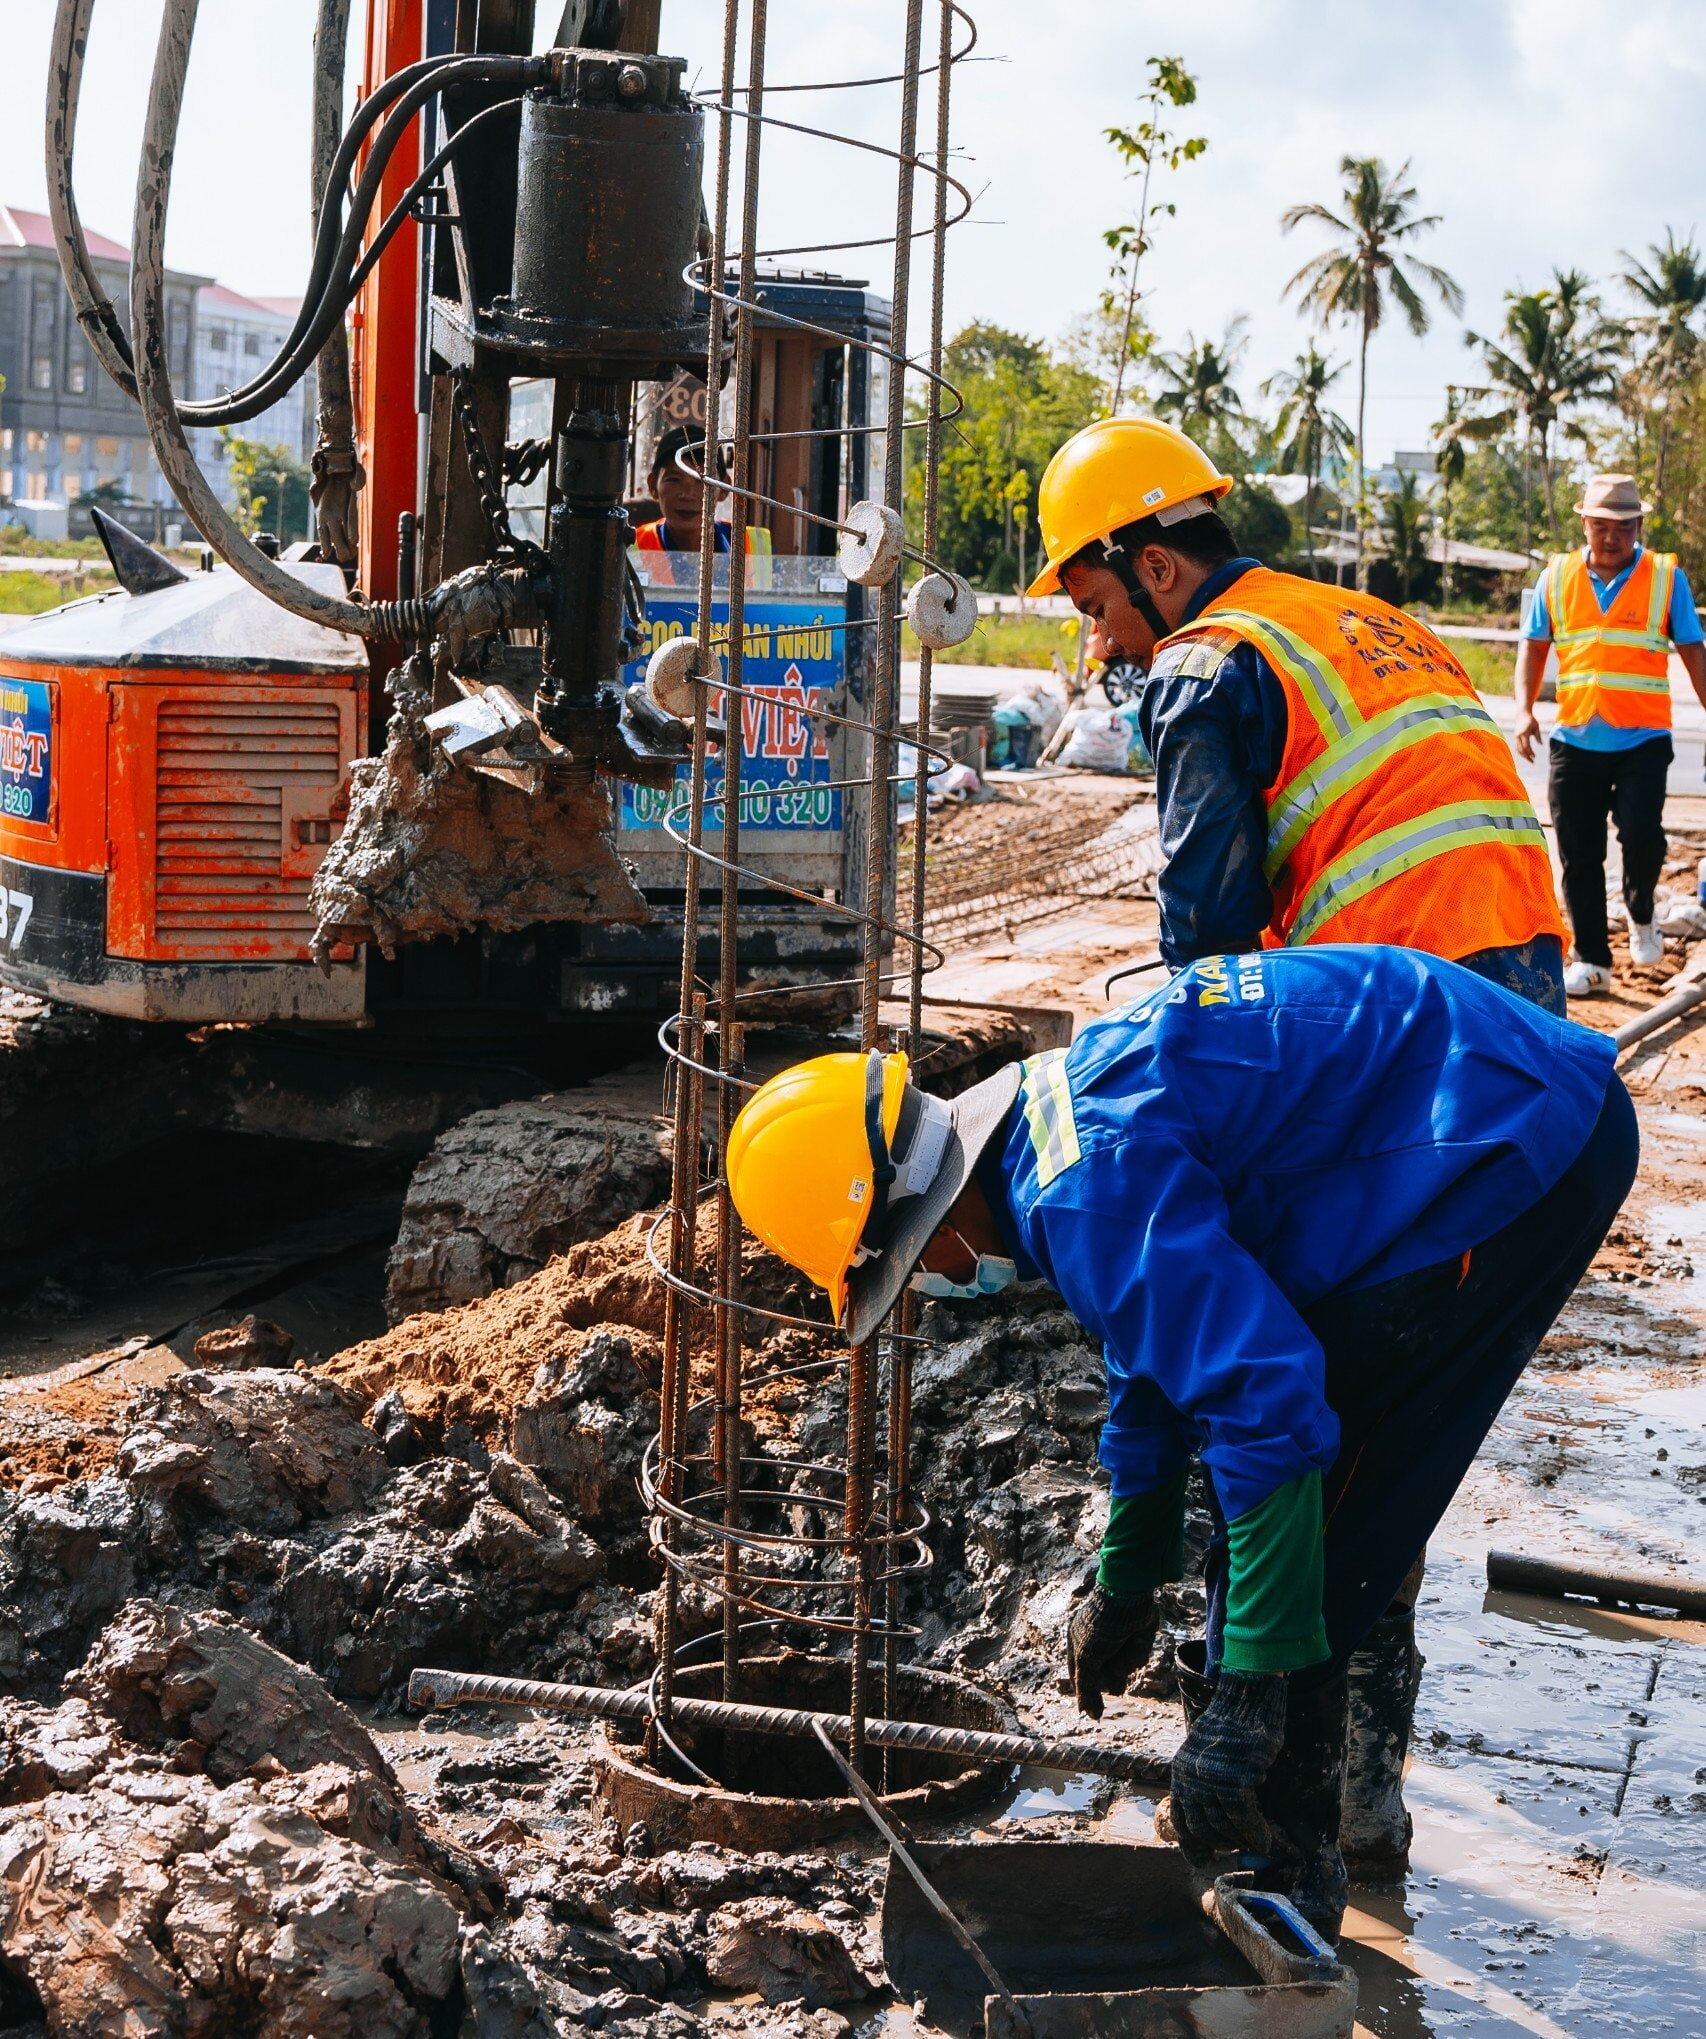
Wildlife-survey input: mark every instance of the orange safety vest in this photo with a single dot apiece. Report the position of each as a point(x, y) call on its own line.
point(1614, 664)
point(649, 538)
point(1397, 815)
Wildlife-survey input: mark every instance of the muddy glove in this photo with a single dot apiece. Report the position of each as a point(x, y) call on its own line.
point(1227, 1753)
point(1107, 1641)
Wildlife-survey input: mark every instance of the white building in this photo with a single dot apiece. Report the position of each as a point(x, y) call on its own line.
point(235, 338)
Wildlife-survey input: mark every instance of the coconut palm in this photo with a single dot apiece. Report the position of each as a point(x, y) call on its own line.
point(1407, 525)
point(1671, 284)
point(1351, 280)
point(1197, 386)
point(1453, 436)
point(1306, 432)
point(1557, 352)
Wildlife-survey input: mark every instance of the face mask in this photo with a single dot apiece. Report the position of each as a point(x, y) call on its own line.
point(991, 1275)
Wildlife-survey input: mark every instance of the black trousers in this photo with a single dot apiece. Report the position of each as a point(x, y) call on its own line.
point(1417, 1372)
point(1586, 786)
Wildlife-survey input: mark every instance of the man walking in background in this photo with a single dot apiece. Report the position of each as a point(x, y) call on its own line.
point(1615, 611)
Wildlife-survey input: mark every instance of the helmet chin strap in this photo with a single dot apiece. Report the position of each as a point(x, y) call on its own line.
point(1119, 563)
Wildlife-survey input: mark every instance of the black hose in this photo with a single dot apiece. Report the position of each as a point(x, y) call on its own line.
point(153, 374)
point(337, 245)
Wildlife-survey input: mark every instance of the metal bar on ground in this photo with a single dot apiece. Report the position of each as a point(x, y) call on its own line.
point(1514, 1572)
point(1688, 992)
point(467, 1688)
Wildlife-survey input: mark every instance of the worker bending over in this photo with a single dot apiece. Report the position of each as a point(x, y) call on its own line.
point(1615, 611)
point(1320, 1205)
point(1324, 770)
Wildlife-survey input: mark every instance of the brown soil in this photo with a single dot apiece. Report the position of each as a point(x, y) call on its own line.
point(69, 1425)
point(477, 1364)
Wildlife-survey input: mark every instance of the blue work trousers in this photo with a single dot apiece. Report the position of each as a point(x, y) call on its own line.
point(1417, 1372)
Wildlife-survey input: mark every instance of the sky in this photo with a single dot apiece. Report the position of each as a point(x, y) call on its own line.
point(1544, 132)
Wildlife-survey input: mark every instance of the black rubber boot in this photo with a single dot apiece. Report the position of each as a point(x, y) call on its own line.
point(1385, 1676)
point(1302, 1799)
point(1196, 1689)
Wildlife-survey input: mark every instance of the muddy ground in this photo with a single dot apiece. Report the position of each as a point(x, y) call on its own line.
point(218, 1567)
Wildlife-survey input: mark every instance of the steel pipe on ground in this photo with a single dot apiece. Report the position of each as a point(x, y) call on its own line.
point(464, 1688)
point(1513, 1572)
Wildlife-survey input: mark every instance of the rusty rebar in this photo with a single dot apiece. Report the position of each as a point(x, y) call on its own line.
point(975, 1745)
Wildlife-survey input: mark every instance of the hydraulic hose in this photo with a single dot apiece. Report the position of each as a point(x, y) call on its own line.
point(153, 372)
point(333, 274)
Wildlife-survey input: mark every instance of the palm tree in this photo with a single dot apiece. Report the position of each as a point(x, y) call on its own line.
point(1406, 532)
point(1672, 286)
point(1453, 436)
point(1558, 353)
point(1307, 431)
point(1350, 281)
point(1198, 387)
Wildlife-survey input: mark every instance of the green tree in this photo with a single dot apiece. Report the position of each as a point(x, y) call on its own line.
point(1406, 518)
point(1350, 281)
point(1022, 401)
point(1259, 522)
point(1307, 431)
point(1558, 353)
point(1671, 286)
point(271, 488)
point(1140, 148)
point(1197, 390)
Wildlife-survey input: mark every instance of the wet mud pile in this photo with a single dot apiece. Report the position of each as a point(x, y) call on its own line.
point(432, 848)
point(194, 1823)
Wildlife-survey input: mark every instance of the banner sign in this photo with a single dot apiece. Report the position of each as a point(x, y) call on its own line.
point(26, 749)
point(794, 661)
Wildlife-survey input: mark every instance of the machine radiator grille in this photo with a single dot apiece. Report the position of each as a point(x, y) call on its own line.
point(233, 778)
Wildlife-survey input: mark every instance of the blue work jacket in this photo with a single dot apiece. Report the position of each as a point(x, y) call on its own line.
point(1207, 1162)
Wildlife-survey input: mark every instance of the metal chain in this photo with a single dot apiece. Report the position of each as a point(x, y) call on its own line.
point(492, 506)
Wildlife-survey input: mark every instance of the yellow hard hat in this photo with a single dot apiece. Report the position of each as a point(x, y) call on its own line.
point(800, 1166)
point(842, 1153)
point(1114, 473)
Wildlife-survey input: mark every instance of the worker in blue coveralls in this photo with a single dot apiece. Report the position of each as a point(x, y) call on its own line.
point(1320, 1205)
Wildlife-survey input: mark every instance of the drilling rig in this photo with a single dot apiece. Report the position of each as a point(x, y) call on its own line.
point(388, 820)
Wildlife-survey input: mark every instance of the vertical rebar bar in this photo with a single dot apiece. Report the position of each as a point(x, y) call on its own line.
point(862, 1361)
point(729, 1033)
point(689, 1095)
point(900, 1350)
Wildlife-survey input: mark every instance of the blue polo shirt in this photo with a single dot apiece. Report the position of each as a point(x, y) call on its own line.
point(1682, 626)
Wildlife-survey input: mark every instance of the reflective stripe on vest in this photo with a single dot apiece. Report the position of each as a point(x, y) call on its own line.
point(1047, 1099)
point(1357, 745)
point(1397, 850)
point(1618, 671)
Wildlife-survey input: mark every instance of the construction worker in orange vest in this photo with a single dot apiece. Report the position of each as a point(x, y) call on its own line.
point(1324, 773)
point(679, 492)
point(1615, 611)
point(1324, 770)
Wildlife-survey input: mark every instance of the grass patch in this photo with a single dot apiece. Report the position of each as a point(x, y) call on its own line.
point(1491, 666)
point(1007, 641)
point(18, 538)
point(28, 594)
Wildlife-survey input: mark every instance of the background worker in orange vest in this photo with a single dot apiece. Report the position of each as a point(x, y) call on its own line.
point(680, 496)
point(1324, 773)
point(1615, 611)
point(1324, 769)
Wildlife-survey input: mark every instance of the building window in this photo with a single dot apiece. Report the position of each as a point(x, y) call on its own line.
point(218, 339)
point(106, 449)
point(252, 345)
point(35, 488)
point(73, 487)
point(5, 481)
point(77, 377)
point(5, 439)
point(74, 446)
point(36, 441)
point(41, 372)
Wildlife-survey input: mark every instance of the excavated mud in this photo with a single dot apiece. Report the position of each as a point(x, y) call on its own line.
point(433, 848)
point(506, 1189)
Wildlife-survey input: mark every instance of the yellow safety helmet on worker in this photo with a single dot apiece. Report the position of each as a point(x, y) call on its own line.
point(846, 1170)
point(1114, 473)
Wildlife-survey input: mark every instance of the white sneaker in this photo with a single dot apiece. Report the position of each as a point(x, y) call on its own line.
point(1587, 980)
point(1646, 944)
